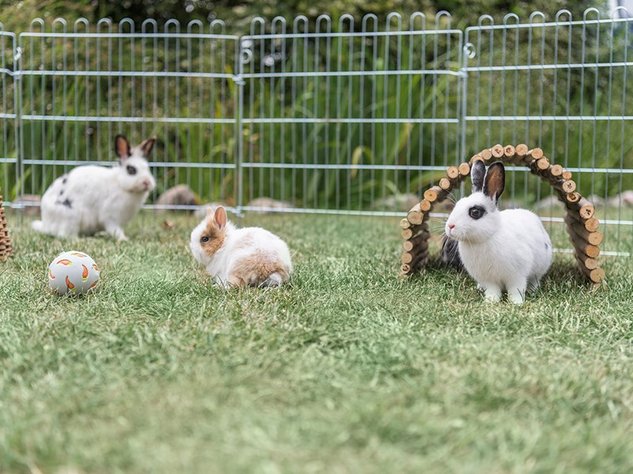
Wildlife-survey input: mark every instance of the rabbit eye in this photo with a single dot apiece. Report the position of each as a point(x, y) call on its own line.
point(130, 170)
point(204, 239)
point(476, 212)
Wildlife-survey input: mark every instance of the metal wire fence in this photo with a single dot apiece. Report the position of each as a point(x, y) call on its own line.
point(346, 116)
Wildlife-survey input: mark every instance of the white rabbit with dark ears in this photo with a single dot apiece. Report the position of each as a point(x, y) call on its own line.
point(508, 249)
point(89, 199)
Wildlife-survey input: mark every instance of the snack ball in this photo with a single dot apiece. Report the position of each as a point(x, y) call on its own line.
point(72, 273)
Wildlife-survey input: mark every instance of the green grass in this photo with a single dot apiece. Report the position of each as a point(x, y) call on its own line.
point(348, 369)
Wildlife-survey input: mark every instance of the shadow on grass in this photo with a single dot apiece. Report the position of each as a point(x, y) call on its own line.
point(561, 271)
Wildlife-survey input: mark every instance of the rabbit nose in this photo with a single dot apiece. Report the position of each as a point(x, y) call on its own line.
point(451, 226)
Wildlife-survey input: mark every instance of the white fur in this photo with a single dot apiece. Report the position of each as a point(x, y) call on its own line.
point(508, 249)
point(102, 199)
point(264, 244)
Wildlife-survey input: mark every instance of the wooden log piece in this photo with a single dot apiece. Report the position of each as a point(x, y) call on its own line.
point(540, 166)
point(591, 237)
point(404, 223)
point(434, 193)
point(419, 261)
point(464, 169)
point(586, 210)
point(581, 246)
point(556, 171)
point(567, 186)
point(566, 175)
point(583, 207)
point(485, 154)
point(415, 217)
point(414, 242)
point(497, 151)
point(476, 157)
point(419, 244)
point(405, 269)
point(425, 205)
point(521, 150)
point(535, 154)
point(415, 230)
point(581, 242)
point(509, 152)
point(407, 233)
point(587, 262)
point(596, 275)
point(571, 197)
point(452, 172)
point(592, 251)
point(445, 184)
point(590, 224)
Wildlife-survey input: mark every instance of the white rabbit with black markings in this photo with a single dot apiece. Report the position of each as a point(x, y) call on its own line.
point(89, 199)
point(508, 249)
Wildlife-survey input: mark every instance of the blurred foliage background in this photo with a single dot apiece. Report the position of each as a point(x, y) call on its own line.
point(16, 15)
point(75, 117)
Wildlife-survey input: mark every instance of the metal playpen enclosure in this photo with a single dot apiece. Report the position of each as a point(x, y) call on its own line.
point(346, 116)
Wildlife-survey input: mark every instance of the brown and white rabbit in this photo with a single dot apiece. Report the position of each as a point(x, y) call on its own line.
point(508, 249)
point(250, 256)
point(91, 198)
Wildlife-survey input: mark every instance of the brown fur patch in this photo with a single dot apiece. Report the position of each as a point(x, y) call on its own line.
point(146, 146)
point(254, 269)
point(216, 238)
point(494, 181)
point(122, 147)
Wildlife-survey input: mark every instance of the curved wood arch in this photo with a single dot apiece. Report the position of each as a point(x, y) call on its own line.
point(582, 224)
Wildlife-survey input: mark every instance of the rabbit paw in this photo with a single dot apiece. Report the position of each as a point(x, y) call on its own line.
point(493, 294)
point(515, 296)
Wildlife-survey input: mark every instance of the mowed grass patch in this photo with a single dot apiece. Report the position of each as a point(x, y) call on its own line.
point(347, 369)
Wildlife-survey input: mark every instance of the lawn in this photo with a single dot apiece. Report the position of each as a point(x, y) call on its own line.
point(348, 369)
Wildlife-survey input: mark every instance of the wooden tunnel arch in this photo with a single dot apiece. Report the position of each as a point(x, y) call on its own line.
point(582, 224)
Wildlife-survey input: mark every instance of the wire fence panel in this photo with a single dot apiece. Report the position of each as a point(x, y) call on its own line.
point(560, 85)
point(8, 127)
point(340, 116)
point(345, 116)
point(84, 84)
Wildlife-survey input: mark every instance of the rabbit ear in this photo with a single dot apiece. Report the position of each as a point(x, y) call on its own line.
point(220, 217)
point(146, 146)
point(477, 173)
point(495, 180)
point(122, 147)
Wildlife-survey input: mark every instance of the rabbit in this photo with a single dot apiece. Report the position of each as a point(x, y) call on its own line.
point(508, 249)
point(89, 199)
point(234, 257)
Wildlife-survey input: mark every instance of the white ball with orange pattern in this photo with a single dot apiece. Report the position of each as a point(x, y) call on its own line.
point(72, 273)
